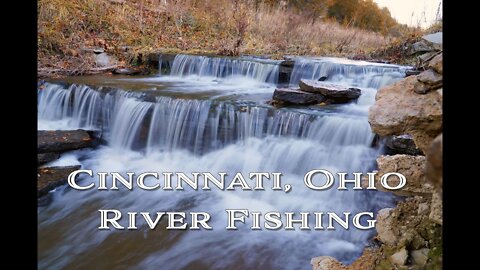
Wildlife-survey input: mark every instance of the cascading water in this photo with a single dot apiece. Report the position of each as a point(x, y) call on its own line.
point(259, 69)
point(345, 71)
point(147, 131)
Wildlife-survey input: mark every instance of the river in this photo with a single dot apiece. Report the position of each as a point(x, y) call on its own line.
point(210, 115)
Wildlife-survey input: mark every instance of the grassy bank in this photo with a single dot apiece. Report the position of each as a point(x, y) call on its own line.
point(66, 28)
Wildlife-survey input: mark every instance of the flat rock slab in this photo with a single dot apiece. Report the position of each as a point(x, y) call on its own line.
point(330, 90)
point(295, 96)
point(52, 177)
point(47, 157)
point(64, 140)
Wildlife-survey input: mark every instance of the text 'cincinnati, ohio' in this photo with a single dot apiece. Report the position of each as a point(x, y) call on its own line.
point(317, 179)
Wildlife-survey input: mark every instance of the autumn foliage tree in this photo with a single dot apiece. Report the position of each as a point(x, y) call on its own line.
point(363, 14)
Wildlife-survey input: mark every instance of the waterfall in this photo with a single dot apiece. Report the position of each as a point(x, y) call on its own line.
point(222, 67)
point(158, 131)
point(348, 72)
point(197, 125)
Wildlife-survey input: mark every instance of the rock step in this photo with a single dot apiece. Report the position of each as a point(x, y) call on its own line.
point(52, 177)
point(47, 157)
point(294, 96)
point(331, 91)
point(59, 141)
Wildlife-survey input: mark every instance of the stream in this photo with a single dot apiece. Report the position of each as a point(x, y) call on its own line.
point(210, 114)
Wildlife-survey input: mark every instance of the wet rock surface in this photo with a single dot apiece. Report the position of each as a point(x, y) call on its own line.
point(334, 92)
point(291, 96)
point(47, 157)
point(64, 140)
point(52, 177)
point(401, 144)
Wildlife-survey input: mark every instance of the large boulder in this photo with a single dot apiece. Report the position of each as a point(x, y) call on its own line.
point(52, 177)
point(421, 46)
point(64, 140)
point(336, 93)
point(325, 263)
point(290, 96)
point(399, 110)
point(428, 43)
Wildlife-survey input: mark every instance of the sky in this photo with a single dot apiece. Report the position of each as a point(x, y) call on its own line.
point(402, 11)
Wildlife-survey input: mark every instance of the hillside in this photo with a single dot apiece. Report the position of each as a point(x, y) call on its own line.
point(69, 29)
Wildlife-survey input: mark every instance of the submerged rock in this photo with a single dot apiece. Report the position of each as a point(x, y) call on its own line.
point(399, 110)
point(289, 96)
point(335, 92)
point(52, 177)
point(64, 140)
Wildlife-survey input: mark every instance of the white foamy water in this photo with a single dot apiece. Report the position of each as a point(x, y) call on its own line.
point(156, 133)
